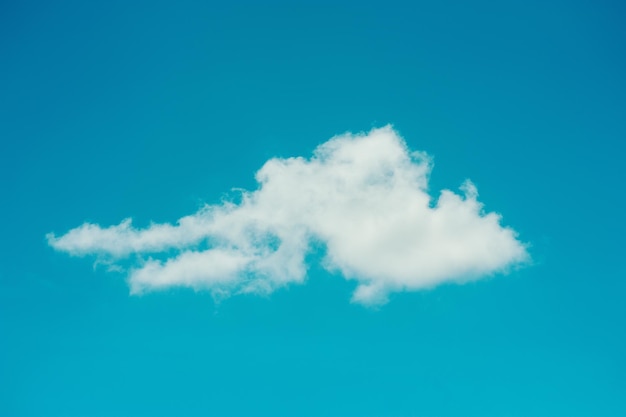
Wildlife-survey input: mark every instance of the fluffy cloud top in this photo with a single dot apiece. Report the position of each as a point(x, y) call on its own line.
point(363, 198)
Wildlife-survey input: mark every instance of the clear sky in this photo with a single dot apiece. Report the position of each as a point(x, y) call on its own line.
point(151, 110)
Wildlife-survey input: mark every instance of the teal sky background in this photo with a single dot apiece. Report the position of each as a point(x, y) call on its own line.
point(148, 110)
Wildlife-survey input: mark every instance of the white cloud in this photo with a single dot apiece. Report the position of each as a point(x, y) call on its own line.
point(363, 197)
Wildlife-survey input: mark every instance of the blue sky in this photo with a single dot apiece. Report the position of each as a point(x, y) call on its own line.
point(151, 110)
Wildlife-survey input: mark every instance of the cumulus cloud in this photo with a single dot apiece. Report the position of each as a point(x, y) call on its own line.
point(362, 198)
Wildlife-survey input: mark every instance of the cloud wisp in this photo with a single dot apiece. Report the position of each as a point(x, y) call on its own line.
point(362, 198)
